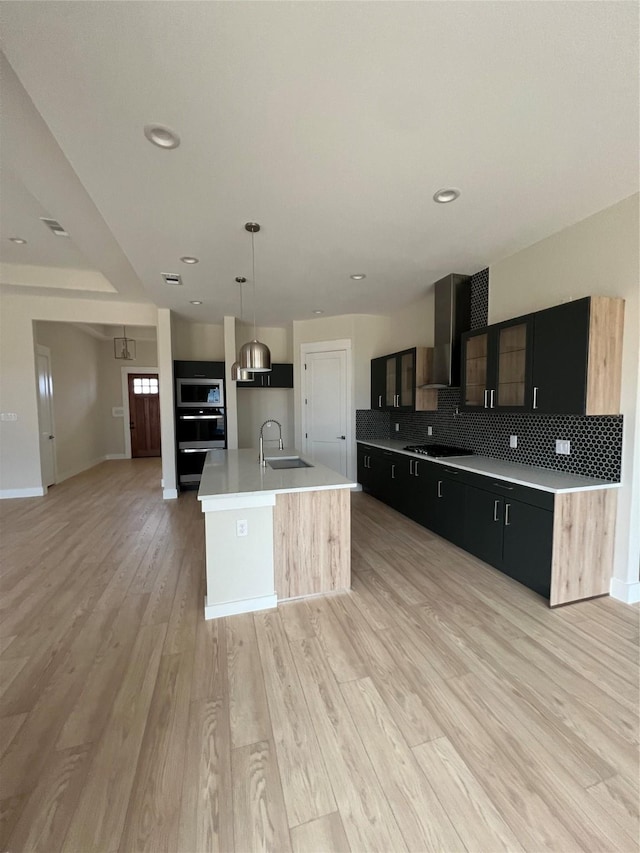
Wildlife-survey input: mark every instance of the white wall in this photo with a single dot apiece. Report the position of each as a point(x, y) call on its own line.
point(77, 401)
point(19, 445)
point(197, 341)
point(111, 389)
point(596, 257)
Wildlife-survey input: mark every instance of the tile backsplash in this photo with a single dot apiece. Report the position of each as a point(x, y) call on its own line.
point(596, 442)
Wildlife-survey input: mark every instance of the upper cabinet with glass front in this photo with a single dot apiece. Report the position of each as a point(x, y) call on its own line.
point(564, 360)
point(396, 381)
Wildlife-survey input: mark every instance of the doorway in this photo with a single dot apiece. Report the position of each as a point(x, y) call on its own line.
point(45, 416)
point(144, 414)
point(326, 404)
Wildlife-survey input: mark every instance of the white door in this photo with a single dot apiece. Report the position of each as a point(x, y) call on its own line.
point(326, 408)
point(45, 417)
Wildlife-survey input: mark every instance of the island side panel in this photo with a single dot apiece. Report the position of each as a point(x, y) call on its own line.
point(584, 525)
point(312, 542)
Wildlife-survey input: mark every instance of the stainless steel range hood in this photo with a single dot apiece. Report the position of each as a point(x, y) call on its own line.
point(452, 318)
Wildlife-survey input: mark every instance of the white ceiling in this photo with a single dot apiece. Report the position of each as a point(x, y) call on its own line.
point(332, 124)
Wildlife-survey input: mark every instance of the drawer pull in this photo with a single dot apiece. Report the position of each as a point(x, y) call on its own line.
point(502, 486)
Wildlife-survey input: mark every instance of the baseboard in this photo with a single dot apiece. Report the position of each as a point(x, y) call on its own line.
point(356, 488)
point(169, 494)
point(115, 456)
point(35, 492)
point(245, 605)
point(629, 593)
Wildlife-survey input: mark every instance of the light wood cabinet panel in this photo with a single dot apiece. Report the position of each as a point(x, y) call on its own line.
point(604, 376)
point(312, 542)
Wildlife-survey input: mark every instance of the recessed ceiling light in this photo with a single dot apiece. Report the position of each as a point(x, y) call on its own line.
point(196, 302)
point(446, 195)
point(187, 259)
point(17, 240)
point(318, 311)
point(161, 136)
point(358, 276)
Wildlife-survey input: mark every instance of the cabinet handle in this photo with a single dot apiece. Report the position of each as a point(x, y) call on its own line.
point(507, 507)
point(535, 398)
point(379, 401)
point(439, 488)
point(393, 472)
point(411, 466)
point(415, 470)
point(493, 393)
point(496, 504)
point(396, 399)
point(486, 394)
point(368, 462)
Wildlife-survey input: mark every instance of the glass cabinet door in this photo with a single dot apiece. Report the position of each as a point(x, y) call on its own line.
point(407, 379)
point(511, 381)
point(476, 365)
point(391, 390)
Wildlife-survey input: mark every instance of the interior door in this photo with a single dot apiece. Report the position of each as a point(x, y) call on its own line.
point(45, 416)
point(326, 409)
point(144, 414)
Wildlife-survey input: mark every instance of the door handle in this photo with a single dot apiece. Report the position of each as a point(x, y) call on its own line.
point(486, 394)
point(343, 437)
point(492, 403)
point(439, 488)
point(535, 399)
point(496, 504)
point(51, 436)
point(507, 507)
point(132, 425)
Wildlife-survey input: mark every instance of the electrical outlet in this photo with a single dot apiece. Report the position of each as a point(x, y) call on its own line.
point(429, 430)
point(513, 441)
point(242, 527)
point(397, 427)
point(8, 416)
point(563, 447)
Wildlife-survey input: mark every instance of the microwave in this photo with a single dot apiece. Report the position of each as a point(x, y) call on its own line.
point(196, 393)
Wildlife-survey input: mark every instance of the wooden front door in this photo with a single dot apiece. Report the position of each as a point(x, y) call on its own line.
point(144, 414)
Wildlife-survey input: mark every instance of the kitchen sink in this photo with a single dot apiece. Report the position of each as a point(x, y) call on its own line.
point(279, 462)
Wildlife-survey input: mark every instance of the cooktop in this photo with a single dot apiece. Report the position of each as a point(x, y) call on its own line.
point(438, 450)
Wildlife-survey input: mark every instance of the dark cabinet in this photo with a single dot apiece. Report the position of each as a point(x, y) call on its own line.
point(560, 359)
point(198, 369)
point(446, 504)
point(280, 376)
point(496, 366)
point(565, 360)
point(393, 381)
point(511, 535)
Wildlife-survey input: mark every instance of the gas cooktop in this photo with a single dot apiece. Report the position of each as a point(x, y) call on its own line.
point(438, 450)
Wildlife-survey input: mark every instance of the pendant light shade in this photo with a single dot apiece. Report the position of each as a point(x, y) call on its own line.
point(254, 356)
point(239, 374)
point(124, 348)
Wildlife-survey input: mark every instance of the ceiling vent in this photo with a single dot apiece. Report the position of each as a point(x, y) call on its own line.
point(171, 278)
point(54, 226)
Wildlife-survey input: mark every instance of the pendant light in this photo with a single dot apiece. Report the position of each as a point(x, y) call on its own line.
point(254, 356)
point(124, 347)
point(239, 374)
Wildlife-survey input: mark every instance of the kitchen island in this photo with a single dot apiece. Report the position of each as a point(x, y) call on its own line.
point(272, 533)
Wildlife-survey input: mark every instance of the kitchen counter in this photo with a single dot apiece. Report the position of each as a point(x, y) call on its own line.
point(272, 534)
point(237, 473)
point(544, 479)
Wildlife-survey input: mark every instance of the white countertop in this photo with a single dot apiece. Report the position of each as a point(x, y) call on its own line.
point(237, 473)
point(525, 475)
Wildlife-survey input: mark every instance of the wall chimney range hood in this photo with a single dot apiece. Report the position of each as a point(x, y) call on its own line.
point(452, 314)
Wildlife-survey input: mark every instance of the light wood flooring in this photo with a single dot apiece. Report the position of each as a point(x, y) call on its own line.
point(438, 706)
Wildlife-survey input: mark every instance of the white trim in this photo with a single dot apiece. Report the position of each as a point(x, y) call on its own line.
point(126, 418)
point(46, 351)
point(329, 346)
point(35, 492)
point(251, 501)
point(114, 456)
point(169, 494)
point(245, 605)
point(628, 592)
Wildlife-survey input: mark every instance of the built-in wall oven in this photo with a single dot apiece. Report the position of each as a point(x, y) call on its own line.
point(200, 425)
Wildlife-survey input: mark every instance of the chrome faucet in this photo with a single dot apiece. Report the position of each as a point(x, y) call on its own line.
point(261, 458)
